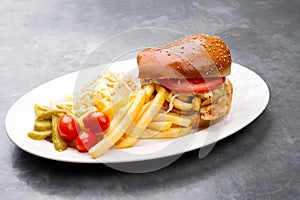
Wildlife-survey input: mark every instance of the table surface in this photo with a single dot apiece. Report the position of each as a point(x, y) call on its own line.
point(41, 40)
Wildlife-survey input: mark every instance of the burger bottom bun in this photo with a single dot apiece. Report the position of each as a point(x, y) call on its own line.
point(206, 123)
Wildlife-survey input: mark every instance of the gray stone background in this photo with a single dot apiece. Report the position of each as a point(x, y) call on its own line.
point(40, 40)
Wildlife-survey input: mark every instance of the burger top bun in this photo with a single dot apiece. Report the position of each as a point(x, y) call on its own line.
point(195, 56)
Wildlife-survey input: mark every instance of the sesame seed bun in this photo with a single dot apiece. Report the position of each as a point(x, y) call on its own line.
point(195, 56)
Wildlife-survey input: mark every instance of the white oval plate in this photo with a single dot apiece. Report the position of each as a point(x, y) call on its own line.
point(250, 98)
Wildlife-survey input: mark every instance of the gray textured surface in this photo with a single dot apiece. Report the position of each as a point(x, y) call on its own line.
point(40, 40)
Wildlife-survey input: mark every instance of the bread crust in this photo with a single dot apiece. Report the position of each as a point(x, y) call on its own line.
point(195, 56)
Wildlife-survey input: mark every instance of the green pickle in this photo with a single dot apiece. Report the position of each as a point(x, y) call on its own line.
point(49, 138)
point(65, 107)
point(39, 135)
point(43, 125)
point(48, 114)
point(58, 142)
point(40, 109)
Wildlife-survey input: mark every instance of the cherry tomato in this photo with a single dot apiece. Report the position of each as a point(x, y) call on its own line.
point(68, 128)
point(191, 85)
point(96, 122)
point(85, 140)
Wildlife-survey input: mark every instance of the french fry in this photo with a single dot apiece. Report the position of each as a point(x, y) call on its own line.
point(211, 100)
point(118, 104)
point(116, 120)
point(100, 105)
point(108, 111)
point(117, 130)
point(157, 86)
point(182, 105)
point(115, 106)
point(160, 126)
point(175, 119)
point(149, 133)
point(169, 96)
point(149, 89)
point(196, 103)
point(171, 133)
point(178, 103)
point(141, 113)
point(146, 118)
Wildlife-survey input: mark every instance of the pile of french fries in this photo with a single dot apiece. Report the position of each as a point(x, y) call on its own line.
point(142, 116)
point(150, 112)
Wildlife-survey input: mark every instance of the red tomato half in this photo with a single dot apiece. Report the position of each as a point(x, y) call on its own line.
point(85, 140)
point(68, 128)
point(96, 122)
point(191, 85)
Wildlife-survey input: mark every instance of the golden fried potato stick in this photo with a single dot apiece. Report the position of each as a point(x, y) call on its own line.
point(142, 111)
point(147, 117)
point(181, 105)
point(100, 105)
point(117, 130)
point(175, 119)
point(160, 126)
point(171, 133)
point(196, 103)
point(110, 108)
point(149, 88)
point(176, 102)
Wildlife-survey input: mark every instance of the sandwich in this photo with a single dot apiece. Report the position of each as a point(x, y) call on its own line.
point(194, 71)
